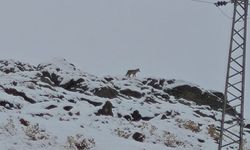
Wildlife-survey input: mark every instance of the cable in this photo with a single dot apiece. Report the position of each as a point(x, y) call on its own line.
point(202, 1)
point(218, 6)
point(224, 14)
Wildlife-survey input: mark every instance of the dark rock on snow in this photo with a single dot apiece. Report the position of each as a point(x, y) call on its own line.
point(138, 137)
point(129, 92)
point(106, 109)
point(106, 92)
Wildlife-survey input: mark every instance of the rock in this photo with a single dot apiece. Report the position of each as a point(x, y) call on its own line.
point(109, 79)
point(168, 113)
point(6, 104)
point(201, 141)
point(218, 94)
point(138, 137)
point(46, 80)
point(51, 107)
point(42, 114)
point(12, 66)
point(150, 100)
point(147, 118)
point(72, 101)
point(127, 117)
point(205, 115)
point(157, 84)
point(106, 92)
point(106, 109)
point(70, 113)
point(136, 116)
point(77, 113)
point(17, 93)
point(14, 83)
point(24, 122)
point(192, 93)
point(165, 96)
point(92, 102)
point(131, 93)
point(72, 84)
point(163, 117)
point(119, 115)
point(52, 76)
point(67, 108)
point(171, 81)
point(247, 126)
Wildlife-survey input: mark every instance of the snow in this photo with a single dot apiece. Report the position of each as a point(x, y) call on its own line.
point(55, 128)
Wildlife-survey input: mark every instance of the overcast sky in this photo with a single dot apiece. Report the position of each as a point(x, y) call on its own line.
point(179, 39)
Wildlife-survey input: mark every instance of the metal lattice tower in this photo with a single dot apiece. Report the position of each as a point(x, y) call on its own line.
point(232, 122)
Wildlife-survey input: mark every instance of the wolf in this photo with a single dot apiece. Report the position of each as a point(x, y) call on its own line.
point(132, 72)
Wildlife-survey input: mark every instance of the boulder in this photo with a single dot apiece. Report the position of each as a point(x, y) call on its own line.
point(24, 122)
point(67, 108)
point(105, 92)
point(138, 137)
point(136, 116)
point(106, 109)
point(72, 84)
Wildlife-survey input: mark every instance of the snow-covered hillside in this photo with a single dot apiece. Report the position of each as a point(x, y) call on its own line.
point(56, 106)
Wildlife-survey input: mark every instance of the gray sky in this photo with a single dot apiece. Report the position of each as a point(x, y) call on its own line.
point(179, 39)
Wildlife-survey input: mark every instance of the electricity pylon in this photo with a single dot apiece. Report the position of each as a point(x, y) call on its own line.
point(231, 132)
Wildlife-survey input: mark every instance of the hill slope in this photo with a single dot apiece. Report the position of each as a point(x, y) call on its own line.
point(56, 106)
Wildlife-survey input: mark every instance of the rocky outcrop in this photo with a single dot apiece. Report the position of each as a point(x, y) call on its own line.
point(106, 109)
point(195, 94)
point(7, 105)
point(12, 66)
point(106, 92)
point(53, 77)
point(72, 85)
point(131, 93)
point(14, 92)
point(157, 84)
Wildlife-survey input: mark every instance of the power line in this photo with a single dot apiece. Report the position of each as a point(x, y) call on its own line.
point(218, 4)
point(202, 1)
point(224, 14)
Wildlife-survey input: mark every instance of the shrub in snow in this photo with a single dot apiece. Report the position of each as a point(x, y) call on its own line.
point(171, 140)
point(79, 142)
point(191, 125)
point(122, 133)
point(213, 132)
point(9, 127)
point(35, 133)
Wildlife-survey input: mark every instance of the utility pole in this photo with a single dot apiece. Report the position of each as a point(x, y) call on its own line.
point(232, 122)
